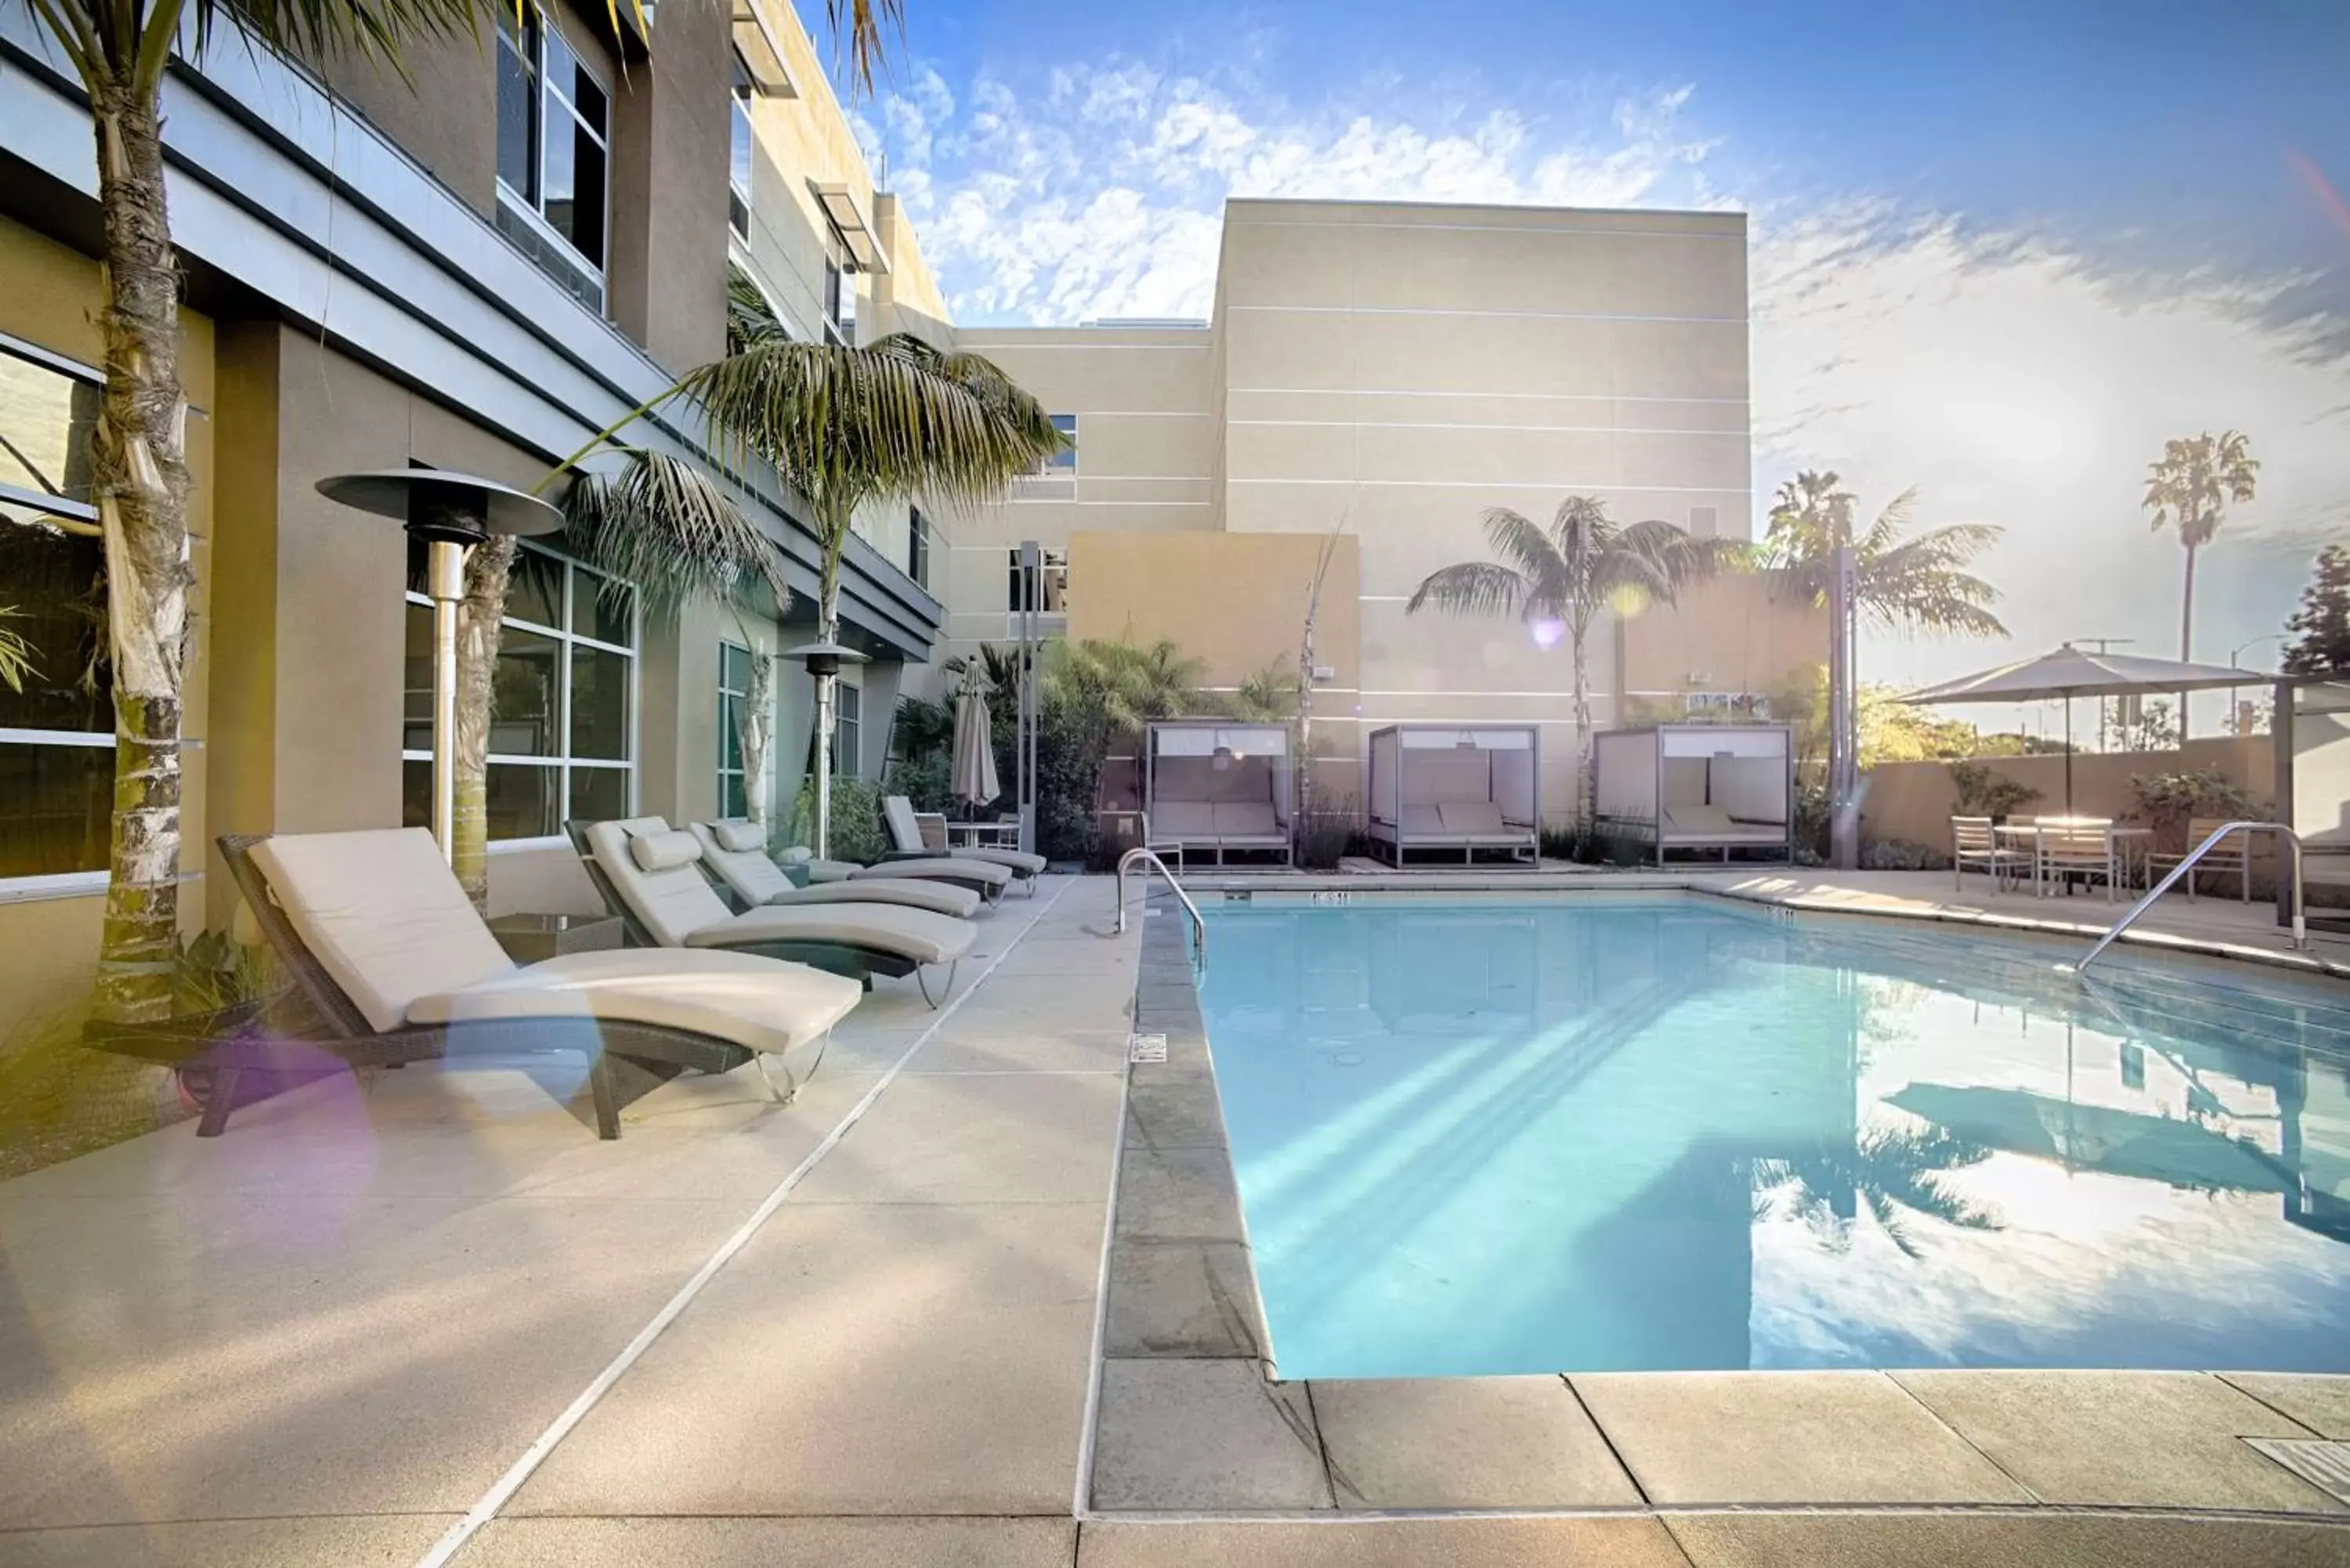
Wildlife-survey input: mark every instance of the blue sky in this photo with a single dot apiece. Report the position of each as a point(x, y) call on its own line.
point(2000, 249)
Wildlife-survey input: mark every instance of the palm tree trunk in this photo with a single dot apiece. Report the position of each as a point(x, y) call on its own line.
point(758, 730)
point(2186, 636)
point(489, 568)
point(1586, 753)
point(139, 478)
point(835, 538)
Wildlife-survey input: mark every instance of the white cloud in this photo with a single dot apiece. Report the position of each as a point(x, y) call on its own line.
point(2013, 379)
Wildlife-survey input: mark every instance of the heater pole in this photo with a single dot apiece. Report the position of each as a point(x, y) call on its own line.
point(445, 585)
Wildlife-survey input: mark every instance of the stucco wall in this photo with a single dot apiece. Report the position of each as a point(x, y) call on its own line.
point(1914, 800)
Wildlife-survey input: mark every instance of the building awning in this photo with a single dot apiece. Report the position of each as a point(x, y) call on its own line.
point(762, 51)
point(839, 206)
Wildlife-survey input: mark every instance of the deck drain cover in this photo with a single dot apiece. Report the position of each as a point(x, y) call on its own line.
point(1146, 1048)
point(2323, 1465)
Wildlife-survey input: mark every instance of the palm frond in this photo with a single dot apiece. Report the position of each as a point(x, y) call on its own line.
point(858, 28)
point(661, 524)
point(1472, 587)
point(16, 653)
point(1523, 545)
point(750, 317)
point(845, 426)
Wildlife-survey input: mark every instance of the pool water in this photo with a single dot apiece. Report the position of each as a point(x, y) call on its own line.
point(1602, 1133)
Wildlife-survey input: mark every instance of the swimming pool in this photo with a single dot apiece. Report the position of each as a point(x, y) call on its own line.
point(1599, 1133)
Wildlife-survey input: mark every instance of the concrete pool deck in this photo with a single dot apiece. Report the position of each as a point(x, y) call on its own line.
point(375, 1312)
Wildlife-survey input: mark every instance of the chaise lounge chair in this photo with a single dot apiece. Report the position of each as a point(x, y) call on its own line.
point(733, 852)
point(905, 824)
point(649, 876)
point(987, 881)
point(397, 967)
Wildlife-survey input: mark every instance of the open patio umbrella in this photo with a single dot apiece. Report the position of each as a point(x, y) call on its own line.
point(2069, 672)
point(2100, 1137)
point(974, 776)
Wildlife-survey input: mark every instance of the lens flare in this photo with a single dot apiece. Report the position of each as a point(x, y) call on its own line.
point(1547, 632)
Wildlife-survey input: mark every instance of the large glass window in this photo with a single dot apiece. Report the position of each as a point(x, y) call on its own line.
point(56, 733)
point(554, 140)
point(1064, 463)
point(840, 301)
point(918, 548)
point(562, 701)
point(847, 726)
point(734, 690)
point(739, 155)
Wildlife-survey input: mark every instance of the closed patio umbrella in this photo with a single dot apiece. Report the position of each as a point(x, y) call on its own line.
point(974, 777)
point(2069, 672)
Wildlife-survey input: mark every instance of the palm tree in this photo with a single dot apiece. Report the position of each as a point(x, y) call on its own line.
point(1889, 1170)
point(662, 525)
point(1906, 585)
point(1582, 566)
point(849, 428)
point(2189, 488)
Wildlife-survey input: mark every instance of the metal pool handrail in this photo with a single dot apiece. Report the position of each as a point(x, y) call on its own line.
point(2187, 865)
point(1148, 860)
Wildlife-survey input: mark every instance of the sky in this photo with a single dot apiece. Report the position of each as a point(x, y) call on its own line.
point(2001, 251)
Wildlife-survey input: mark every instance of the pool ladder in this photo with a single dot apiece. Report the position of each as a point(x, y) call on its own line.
point(2186, 865)
point(1147, 860)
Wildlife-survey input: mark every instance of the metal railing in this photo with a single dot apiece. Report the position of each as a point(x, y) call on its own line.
point(2186, 868)
point(1148, 860)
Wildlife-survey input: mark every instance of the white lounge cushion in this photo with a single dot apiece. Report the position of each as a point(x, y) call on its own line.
point(754, 878)
point(762, 1003)
point(941, 866)
point(383, 915)
point(1421, 819)
point(905, 832)
point(800, 854)
point(1182, 819)
point(938, 897)
point(831, 870)
point(1019, 862)
point(663, 851)
point(1246, 819)
point(916, 934)
point(671, 903)
point(1698, 819)
point(1471, 817)
point(742, 837)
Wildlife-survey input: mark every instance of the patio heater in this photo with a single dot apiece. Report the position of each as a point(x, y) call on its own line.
point(1032, 596)
point(1844, 716)
point(824, 660)
point(451, 512)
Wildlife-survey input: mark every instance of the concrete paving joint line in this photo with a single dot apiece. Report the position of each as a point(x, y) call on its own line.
point(502, 1492)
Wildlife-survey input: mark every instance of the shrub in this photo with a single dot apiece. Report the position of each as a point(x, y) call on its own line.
point(1982, 792)
point(857, 831)
point(2165, 802)
point(1902, 854)
point(924, 781)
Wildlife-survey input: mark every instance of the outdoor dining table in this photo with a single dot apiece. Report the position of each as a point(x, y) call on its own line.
point(2131, 844)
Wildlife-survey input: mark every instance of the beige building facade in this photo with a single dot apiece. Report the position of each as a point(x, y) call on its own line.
point(1379, 372)
point(1388, 372)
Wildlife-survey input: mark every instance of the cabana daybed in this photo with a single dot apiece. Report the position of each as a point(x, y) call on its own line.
point(1213, 786)
point(1456, 789)
point(1707, 787)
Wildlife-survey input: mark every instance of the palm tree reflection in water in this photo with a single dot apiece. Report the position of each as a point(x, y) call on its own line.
point(1895, 1173)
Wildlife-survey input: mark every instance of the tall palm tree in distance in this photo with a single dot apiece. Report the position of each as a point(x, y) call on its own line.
point(1564, 576)
point(2189, 488)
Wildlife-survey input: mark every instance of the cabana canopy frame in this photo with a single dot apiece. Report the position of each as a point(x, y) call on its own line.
point(1218, 786)
point(1457, 789)
point(1697, 786)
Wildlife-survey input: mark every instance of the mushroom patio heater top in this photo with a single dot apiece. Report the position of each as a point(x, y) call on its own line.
point(451, 512)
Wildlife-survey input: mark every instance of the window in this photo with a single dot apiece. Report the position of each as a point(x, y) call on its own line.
point(1052, 596)
point(847, 750)
point(738, 168)
point(562, 699)
point(918, 548)
point(734, 690)
point(839, 301)
point(57, 736)
point(1062, 463)
point(553, 120)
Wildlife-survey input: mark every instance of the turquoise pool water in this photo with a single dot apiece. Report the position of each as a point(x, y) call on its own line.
point(1614, 1135)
